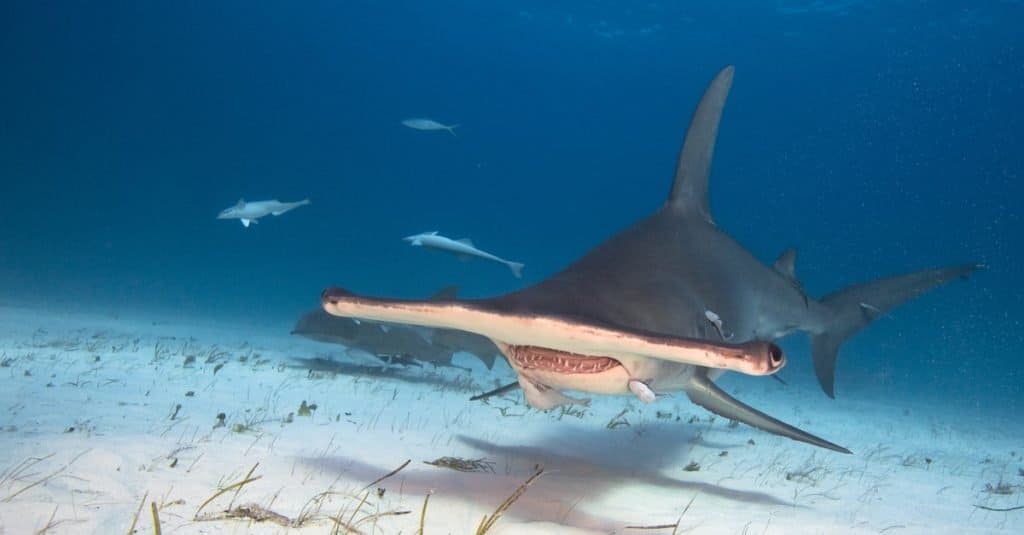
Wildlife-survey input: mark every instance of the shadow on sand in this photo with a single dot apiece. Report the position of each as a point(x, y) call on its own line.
point(582, 466)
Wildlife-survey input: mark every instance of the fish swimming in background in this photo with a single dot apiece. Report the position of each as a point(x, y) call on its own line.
point(250, 212)
point(462, 248)
point(394, 342)
point(390, 341)
point(429, 125)
point(382, 341)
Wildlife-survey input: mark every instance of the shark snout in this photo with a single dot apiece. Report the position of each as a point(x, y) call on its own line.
point(761, 358)
point(332, 295)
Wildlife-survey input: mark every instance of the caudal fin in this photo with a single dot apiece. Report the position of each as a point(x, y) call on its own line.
point(517, 269)
point(853, 308)
point(451, 129)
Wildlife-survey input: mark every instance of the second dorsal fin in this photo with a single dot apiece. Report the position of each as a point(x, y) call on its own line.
point(785, 264)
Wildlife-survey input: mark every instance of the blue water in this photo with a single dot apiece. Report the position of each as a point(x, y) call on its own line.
point(877, 137)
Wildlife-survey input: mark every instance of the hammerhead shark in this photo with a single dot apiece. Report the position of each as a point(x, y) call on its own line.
point(672, 280)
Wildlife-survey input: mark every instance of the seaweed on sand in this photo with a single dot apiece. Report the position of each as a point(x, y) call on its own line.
point(463, 465)
point(309, 513)
point(489, 521)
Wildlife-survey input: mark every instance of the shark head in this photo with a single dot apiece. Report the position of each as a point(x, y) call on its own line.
point(232, 212)
point(416, 240)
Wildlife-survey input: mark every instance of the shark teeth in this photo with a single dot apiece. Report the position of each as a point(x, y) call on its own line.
point(542, 358)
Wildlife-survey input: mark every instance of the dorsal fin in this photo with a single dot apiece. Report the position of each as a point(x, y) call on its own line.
point(690, 187)
point(240, 203)
point(785, 264)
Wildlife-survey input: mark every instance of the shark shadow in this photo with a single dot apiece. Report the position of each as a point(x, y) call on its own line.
point(573, 486)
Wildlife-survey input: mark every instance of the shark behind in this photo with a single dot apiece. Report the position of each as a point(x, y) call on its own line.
point(672, 274)
point(250, 212)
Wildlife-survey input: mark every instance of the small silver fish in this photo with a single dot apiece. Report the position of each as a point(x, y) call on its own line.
point(429, 125)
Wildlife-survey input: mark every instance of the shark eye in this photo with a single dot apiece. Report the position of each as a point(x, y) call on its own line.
point(775, 355)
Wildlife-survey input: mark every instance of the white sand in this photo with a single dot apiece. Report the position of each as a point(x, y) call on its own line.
point(89, 427)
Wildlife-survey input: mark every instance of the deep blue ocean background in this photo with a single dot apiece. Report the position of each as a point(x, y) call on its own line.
point(877, 137)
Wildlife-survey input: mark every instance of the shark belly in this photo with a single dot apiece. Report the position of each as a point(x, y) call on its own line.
point(543, 373)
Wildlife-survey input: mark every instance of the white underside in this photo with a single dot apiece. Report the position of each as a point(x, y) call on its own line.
point(550, 332)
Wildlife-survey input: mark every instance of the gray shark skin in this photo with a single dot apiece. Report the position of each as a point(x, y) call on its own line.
point(677, 273)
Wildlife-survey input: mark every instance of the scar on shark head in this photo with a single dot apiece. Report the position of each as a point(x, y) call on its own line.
point(669, 303)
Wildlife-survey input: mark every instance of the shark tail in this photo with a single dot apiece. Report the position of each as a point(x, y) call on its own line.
point(291, 206)
point(451, 129)
point(517, 269)
point(704, 392)
point(853, 308)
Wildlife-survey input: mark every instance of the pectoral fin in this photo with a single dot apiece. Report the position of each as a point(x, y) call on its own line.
point(704, 392)
point(543, 397)
point(642, 391)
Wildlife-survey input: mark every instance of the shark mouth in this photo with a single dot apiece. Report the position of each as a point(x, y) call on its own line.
point(542, 358)
point(556, 342)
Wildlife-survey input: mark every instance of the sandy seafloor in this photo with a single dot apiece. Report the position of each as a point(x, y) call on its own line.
point(91, 429)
